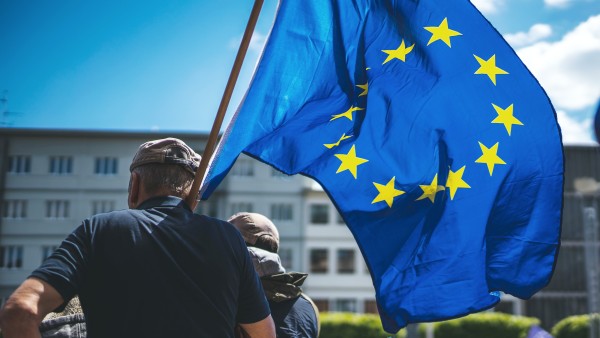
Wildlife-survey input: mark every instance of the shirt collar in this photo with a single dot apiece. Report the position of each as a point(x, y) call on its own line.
point(163, 201)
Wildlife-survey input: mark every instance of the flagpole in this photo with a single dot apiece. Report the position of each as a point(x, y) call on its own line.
point(233, 76)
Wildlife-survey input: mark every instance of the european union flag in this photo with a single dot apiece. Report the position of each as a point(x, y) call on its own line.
point(438, 147)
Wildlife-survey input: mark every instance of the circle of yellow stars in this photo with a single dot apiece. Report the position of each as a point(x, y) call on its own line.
point(387, 192)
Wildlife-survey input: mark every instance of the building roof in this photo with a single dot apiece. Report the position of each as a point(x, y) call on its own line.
point(100, 133)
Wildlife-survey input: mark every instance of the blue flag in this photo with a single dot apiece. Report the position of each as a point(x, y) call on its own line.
point(436, 144)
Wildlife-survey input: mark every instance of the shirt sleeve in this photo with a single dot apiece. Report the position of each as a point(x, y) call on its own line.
point(252, 303)
point(66, 267)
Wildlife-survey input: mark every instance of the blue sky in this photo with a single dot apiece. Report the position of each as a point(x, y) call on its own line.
point(163, 65)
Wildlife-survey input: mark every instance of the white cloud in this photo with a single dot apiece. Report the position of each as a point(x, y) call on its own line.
point(557, 3)
point(257, 42)
point(488, 6)
point(536, 33)
point(569, 69)
point(574, 132)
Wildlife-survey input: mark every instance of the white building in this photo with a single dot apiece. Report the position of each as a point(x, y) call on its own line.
point(50, 180)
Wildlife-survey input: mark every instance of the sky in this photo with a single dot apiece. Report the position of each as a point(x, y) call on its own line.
point(158, 65)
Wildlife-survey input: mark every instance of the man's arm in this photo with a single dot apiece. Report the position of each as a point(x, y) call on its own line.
point(26, 307)
point(263, 328)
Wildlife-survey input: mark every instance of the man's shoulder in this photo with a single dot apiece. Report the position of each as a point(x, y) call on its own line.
point(217, 224)
point(123, 214)
point(124, 219)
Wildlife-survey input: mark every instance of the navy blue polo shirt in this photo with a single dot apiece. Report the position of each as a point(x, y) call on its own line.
point(157, 271)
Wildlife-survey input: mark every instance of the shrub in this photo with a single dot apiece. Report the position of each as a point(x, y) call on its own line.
point(486, 324)
point(575, 326)
point(351, 325)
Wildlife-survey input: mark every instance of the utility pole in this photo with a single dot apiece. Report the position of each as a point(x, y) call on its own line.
point(4, 109)
point(4, 104)
point(591, 262)
point(589, 189)
point(412, 331)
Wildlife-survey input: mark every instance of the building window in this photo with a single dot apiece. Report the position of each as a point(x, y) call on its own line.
point(319, 262)
point(15, 209)
point(99, 207)
point(322, 304)
point(286, 256)
point(106, 166)
point(345, 305)
point(278, 174)
point(209, 208)
point(345, 261)
point(61, 165)
point(19, 164)
point(243, 167)
point(319, 213)
point(339, 220)
point(240, 207)
point(57, 209)
point(11, 256)
point(48, 250)
point(282, 212)
point(371, 306)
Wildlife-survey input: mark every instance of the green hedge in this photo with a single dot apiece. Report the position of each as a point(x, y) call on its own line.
point(575, 326)
point(351, 325)
point(486, 324)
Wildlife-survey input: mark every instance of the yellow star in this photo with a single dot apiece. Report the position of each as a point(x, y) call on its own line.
point(331, 145)
point(365, 89)
point(387, 192)
point(506, 117)
point(399, 53)
point(490, 157)
point(455, 181)
point(488, 67)
point(441, 32)
point(430, 190)
point(347, 114)
point(350, 162)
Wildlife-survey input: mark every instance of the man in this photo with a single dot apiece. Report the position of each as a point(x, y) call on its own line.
point(154, 270)
point(294, 313)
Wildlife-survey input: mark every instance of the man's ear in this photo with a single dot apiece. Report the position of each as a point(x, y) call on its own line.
point(134, 190)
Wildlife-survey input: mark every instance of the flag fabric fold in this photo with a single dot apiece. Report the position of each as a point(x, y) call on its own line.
point(436, 144)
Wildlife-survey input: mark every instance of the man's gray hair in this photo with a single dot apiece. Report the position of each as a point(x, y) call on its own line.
point(161, 179)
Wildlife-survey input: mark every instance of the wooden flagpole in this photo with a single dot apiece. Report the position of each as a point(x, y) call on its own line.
point(233, 76)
